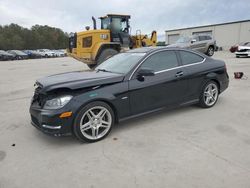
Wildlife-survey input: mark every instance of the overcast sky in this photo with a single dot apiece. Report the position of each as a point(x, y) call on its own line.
point(147, 15)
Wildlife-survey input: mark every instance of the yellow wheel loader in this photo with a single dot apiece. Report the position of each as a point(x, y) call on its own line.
point(95, 46)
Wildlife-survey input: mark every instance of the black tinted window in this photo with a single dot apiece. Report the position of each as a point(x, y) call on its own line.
point(201, 38)
point(161, 61)
point(189, 58)
point(208, 37)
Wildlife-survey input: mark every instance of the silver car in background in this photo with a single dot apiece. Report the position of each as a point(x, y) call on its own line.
point(202, 43)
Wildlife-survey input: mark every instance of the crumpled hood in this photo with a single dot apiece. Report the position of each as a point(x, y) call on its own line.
point(78, 80)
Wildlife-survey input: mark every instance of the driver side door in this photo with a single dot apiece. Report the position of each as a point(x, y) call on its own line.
point(167, 86)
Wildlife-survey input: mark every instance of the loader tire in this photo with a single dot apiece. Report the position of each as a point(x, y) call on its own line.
point(105, 54)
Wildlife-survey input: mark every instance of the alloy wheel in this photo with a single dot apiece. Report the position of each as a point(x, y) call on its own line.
point(95, 122)
point(210, 94)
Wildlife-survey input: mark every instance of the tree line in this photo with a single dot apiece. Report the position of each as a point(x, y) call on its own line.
point(15, 37)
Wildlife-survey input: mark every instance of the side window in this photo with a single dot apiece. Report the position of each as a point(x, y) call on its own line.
point(196, 38)
point(189, 58)
point(209, 38)
point(161, 61)
point(201, 38)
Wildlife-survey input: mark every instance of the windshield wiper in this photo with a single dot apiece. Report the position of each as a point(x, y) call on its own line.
point(103, 70)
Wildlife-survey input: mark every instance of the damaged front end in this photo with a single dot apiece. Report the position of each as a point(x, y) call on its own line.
point(52, 121)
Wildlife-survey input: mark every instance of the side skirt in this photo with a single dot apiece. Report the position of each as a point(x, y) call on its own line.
point(195, 101)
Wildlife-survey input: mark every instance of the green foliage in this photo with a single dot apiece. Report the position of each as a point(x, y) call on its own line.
point(15, 37)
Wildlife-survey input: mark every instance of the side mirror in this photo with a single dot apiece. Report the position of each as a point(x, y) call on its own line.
point(145, 72)
point(193, 40)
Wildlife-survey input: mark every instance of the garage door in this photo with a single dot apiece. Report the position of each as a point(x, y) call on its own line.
point(173, 38)
point(203, 33)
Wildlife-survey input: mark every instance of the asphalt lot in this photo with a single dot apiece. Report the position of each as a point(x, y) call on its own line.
point(181, 148)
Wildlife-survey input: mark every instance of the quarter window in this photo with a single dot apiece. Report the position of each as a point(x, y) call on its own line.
point(189, 58)
point(161, 61)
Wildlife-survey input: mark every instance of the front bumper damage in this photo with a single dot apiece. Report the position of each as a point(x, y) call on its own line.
point(49, 121)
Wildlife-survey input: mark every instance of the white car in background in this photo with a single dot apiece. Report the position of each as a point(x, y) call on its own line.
point(59, 53)
point(46, 53)
point(243, 50)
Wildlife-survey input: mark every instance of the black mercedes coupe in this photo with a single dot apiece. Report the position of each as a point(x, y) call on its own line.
point(87, 104)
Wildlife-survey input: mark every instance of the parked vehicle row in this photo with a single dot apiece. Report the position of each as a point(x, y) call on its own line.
point(30, 54)
point(18, 54)
point(6, 56)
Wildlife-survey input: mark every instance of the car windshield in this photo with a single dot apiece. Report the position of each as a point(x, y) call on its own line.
point(183, 40)
point(121, 63)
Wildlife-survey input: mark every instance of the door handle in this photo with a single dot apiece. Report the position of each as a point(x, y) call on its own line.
point(179, 74)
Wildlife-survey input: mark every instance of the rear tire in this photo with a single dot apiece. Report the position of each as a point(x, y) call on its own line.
point(105, 54)
point(94, 122)
point(210, 51)
point(209, 95)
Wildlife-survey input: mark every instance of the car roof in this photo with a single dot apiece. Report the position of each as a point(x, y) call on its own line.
point(151, 49)
point(141, 50)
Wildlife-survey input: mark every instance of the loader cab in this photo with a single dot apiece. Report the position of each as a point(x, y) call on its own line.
point(119, 28)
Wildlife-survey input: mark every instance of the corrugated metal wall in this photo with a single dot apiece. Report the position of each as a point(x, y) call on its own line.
point(226, 35)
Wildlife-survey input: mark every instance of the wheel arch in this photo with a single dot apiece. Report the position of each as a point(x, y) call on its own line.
point(112, 106)
point(211, 45)
point(108, 102)
point(217, 82)
point(210, 77)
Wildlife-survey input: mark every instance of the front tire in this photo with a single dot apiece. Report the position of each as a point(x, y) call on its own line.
point(209, 95)
point(94, 122)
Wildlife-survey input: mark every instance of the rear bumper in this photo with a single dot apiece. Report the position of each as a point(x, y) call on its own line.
point(224, 84)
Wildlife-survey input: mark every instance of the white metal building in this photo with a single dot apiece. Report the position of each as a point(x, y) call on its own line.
point(226, 34)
